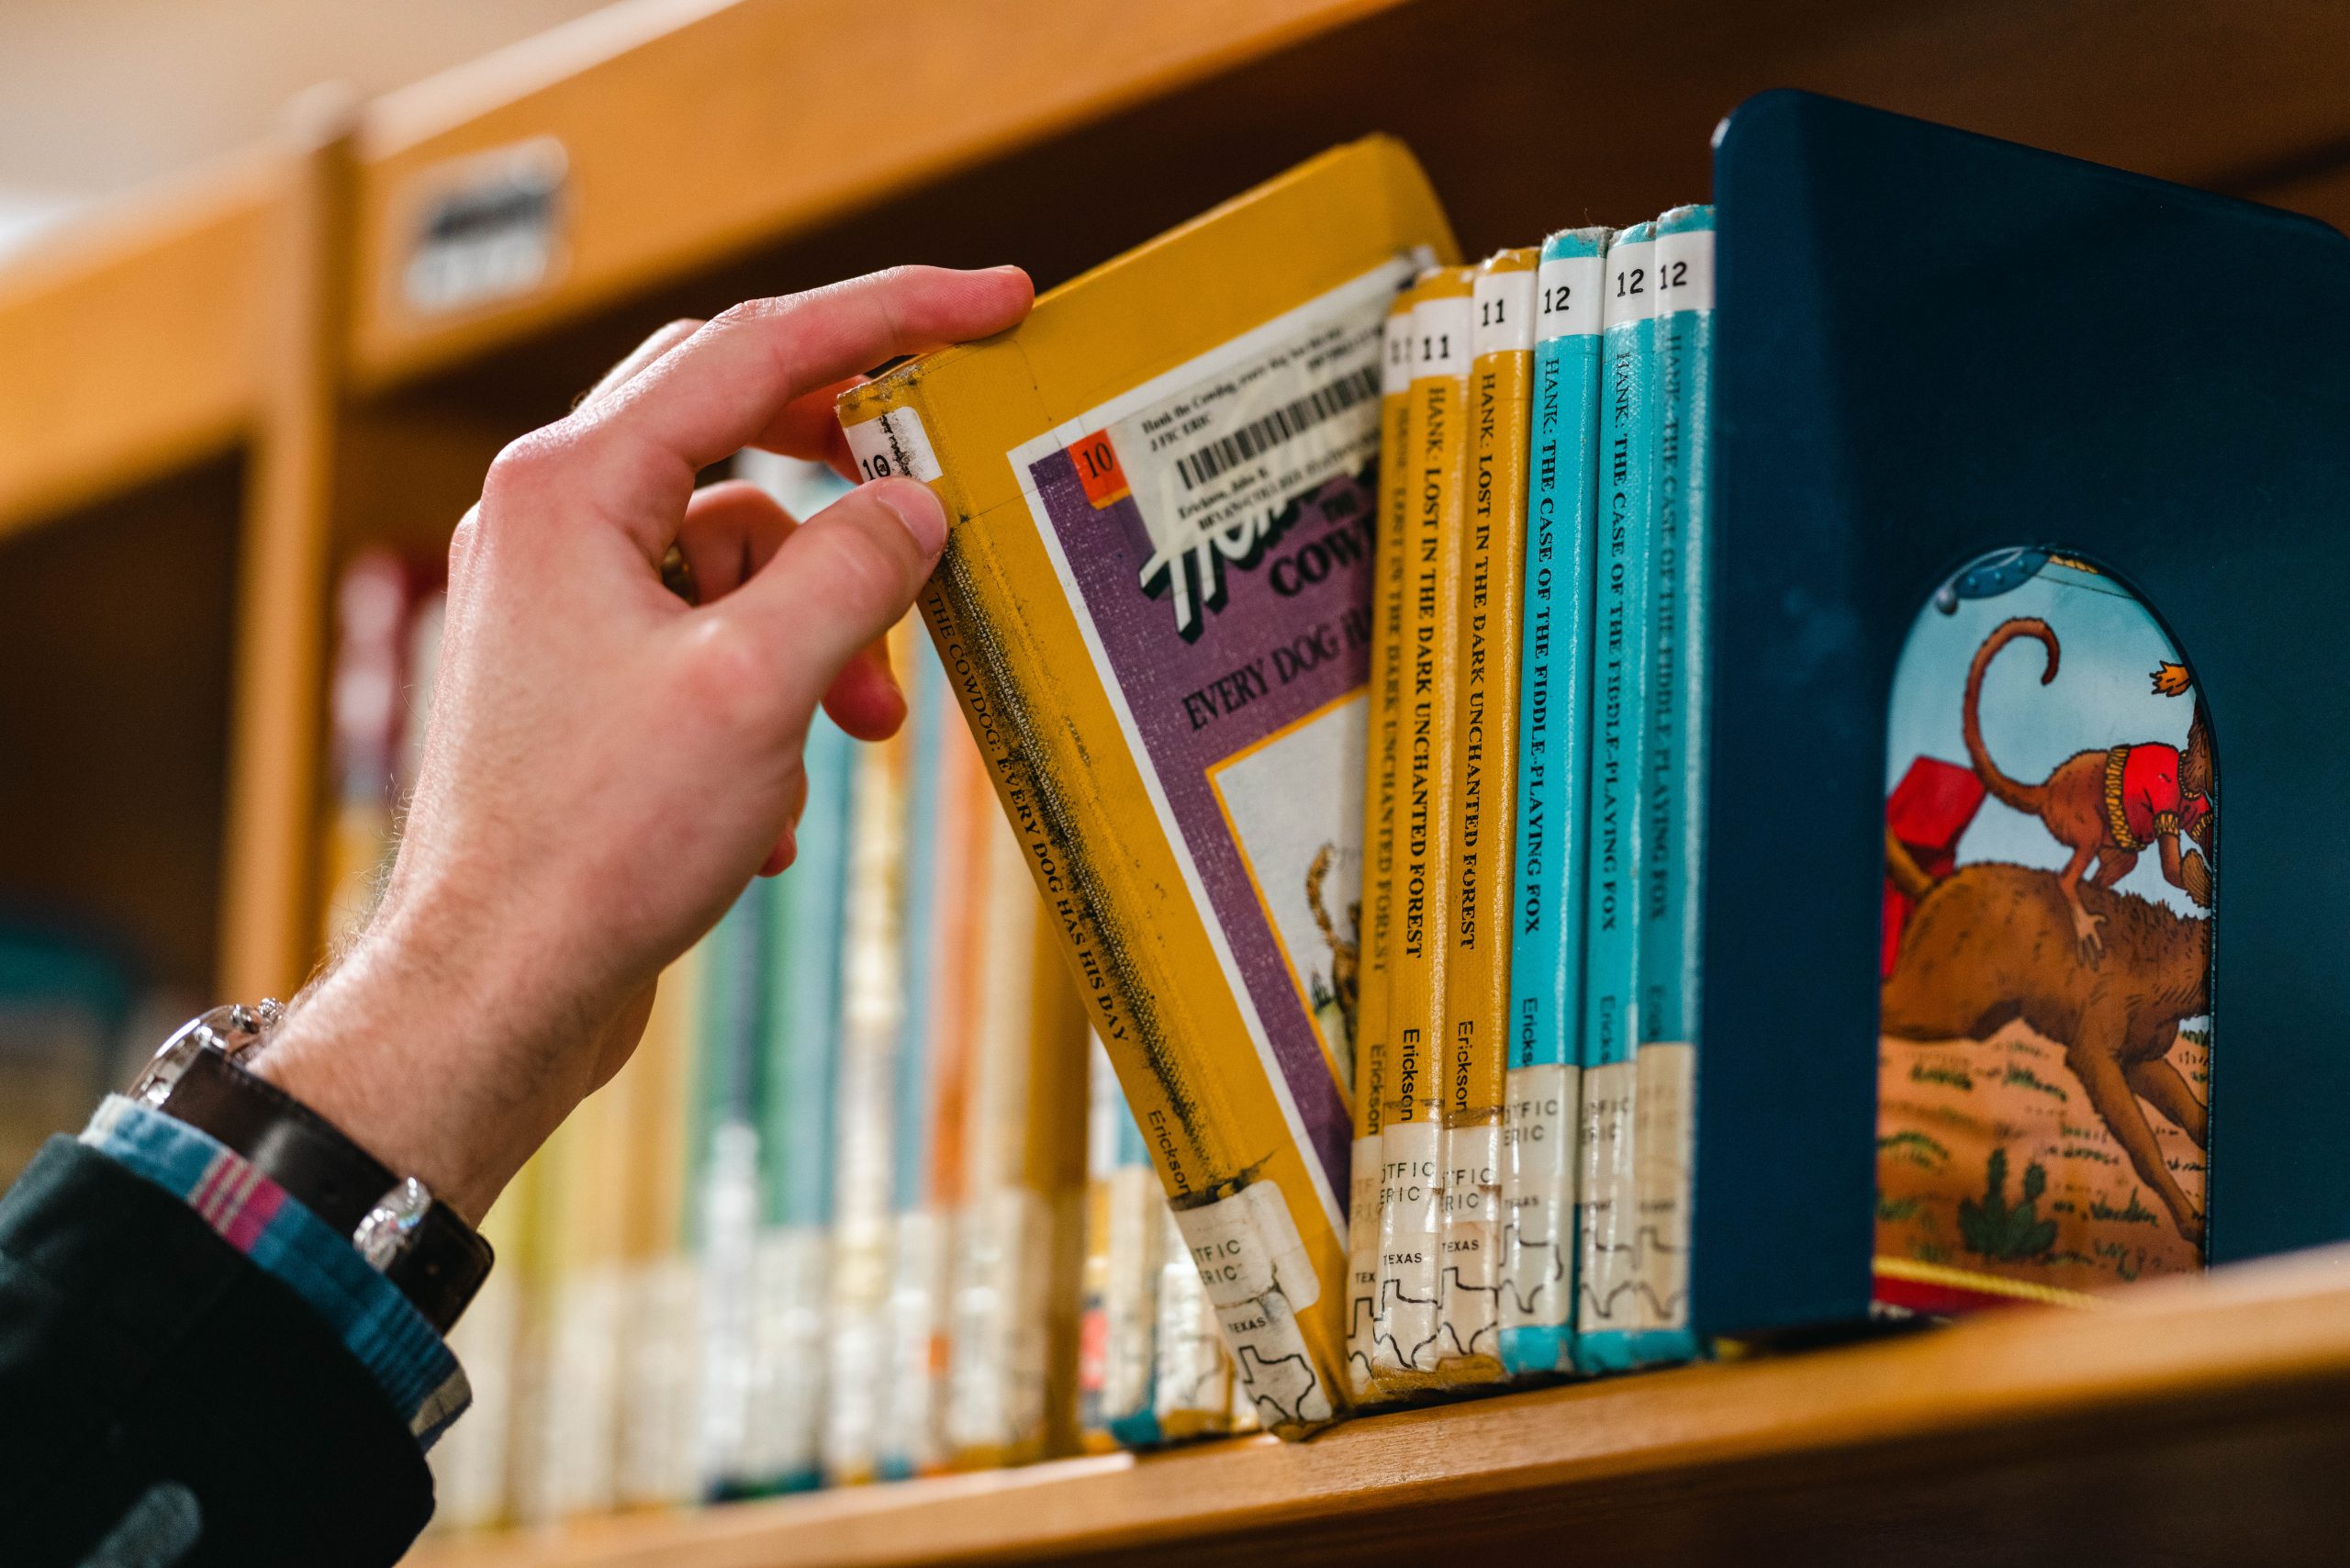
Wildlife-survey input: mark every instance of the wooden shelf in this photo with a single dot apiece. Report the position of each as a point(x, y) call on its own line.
point(2184, 1422)
point(692, 130)
point(128, 344)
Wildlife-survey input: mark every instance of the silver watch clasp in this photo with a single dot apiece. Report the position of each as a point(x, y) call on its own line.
point(232, 1030)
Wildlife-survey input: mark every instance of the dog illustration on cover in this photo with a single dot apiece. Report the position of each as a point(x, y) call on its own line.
point(2043, 1096)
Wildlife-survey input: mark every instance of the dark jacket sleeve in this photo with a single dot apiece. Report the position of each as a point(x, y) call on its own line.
point(157, 1386)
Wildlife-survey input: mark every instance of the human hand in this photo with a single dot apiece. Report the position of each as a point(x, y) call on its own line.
point(606, 766)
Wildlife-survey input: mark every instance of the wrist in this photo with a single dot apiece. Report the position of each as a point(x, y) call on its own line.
point(405, 1054)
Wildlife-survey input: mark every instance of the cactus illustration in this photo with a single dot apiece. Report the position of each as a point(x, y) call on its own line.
point(1994, 1229)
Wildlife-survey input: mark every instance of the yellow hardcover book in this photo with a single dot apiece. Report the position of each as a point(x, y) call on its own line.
point(1382, 770)
point(1485, 814)
point(1155, 605)
point(1405, 1347)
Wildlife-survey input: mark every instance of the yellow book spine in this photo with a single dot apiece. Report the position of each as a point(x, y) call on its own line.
point(1405, 1352)
point(661, 1313)
point(1485, 814)
point(1381, 791)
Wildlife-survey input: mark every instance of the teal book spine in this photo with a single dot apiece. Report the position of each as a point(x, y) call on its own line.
point(1541, 1118)
point(1138, 1229)
point(724, 1215)
point(1665, 1095)
point(797, 1120)
point(1607, 1298)
point(930, 708)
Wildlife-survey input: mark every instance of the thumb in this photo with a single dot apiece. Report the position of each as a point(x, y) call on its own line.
point(837, 584)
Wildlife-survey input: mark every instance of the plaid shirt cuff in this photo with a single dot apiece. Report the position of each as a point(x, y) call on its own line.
point(410, 1362)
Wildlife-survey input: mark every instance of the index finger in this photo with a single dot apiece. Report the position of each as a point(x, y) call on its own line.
point(723, 388)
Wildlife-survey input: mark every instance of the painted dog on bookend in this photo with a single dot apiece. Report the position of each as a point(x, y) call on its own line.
point(1992, 943)
point(2107, 803)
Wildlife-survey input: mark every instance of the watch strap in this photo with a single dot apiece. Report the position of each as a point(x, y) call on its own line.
point(443, 1261)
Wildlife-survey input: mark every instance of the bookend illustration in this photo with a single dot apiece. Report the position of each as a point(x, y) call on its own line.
point(2044, 1069)
point(2014, 565)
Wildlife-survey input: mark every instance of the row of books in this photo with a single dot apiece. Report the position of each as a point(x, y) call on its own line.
point(867, 1202)
point(1339, 638)
point(1520, 1195)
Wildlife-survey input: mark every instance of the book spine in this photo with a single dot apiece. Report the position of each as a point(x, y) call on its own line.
point(1405, 1349)
point(943, 775)
point(730, 1066)
point(1666, 1090)
point(1277, 1257)
point(1483, 823)
point(1102, 1102)
point(1193, 1388)
point(872, 1014)
point(799, 1094)
point(1383, 748)
point(1607, 1298)
point(472, 1464)
point(1000, 1399)
point(658, 1343)
point(1135, 1257)
point(1543, 1118)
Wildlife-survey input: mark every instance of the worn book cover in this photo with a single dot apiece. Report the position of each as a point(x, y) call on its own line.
point(1155, 605)
point(1483, 813)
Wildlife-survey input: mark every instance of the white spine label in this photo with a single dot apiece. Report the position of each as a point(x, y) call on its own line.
point(1666, 1131)
point(1539, 1164)
point(1610, 1198)
point(1631, 282)
point(1443, 331)
point(1685, 271)
point(1257, 1276)
point(1363, 1259)
point(1567, 296)
point(1504, 304)
point(892, 445)
point(1411, 1188)
point(1472, 1241)
point(1395, 354)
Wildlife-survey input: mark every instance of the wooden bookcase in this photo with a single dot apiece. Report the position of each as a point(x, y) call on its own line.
point(217, 393)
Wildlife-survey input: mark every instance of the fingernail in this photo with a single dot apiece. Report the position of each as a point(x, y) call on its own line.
point(920, 511)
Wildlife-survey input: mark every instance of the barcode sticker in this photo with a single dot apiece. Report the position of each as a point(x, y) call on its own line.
point(1215, 467)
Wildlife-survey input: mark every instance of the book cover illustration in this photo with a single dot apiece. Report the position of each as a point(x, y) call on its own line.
point(2050, 818)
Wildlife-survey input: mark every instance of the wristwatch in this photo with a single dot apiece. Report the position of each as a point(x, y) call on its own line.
point(404, 1232)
